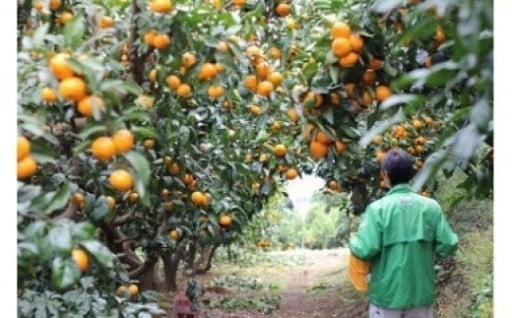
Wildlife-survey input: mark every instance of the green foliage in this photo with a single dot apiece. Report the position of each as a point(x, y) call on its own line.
point(264, 304)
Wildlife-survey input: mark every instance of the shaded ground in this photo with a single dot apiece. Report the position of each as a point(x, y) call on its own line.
point(301, 283)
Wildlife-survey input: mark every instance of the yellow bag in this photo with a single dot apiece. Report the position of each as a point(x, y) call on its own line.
point(358, 271)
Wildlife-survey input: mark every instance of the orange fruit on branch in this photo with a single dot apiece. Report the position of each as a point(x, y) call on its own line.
point(340, 30)
point(123, 140)
point(23, 148)
point(87, 104)
point(160, 6)
point(81, 259)
point(27, 167)
point(103, 148)
point(121, 180)
point(73, 88)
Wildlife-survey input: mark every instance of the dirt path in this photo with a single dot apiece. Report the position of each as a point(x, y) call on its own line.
point(316, 286)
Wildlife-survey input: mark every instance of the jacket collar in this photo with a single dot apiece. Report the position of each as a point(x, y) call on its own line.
point(400, 188)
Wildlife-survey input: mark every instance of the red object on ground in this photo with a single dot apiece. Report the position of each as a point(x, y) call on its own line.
point(181, 308)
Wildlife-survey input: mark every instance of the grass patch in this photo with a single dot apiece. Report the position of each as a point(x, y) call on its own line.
point(264, 304)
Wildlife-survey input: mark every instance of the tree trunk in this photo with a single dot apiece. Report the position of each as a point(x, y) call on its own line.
point(205, 260)
point(171, 263)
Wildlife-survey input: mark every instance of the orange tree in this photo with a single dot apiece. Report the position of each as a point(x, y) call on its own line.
point(152, 130)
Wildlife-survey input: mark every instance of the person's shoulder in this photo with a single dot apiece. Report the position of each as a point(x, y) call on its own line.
point(430, 202)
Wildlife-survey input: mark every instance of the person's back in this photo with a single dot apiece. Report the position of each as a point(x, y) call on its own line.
point(399, 235)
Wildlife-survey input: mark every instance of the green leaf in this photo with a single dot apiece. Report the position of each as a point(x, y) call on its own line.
point(74, 32)
point(101, 253)
point(380, 128)
point(59, 238)
point(100, 210)
point(433, 163)
point(59, 199)
point(86, 133)
point(397, 100)
point(144, 132)
point(65, 273)
point(142, 172)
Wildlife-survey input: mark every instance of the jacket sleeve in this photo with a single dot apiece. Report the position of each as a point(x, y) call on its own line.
point(445, 240)
point(367, 241)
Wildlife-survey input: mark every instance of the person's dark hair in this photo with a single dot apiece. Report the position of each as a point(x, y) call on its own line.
point(399, 166)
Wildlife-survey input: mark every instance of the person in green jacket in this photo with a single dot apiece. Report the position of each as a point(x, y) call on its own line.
point(399, 235)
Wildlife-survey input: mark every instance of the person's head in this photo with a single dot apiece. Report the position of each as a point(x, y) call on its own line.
point(398, 167)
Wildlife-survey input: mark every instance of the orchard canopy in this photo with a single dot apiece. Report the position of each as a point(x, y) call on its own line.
point(149, 131)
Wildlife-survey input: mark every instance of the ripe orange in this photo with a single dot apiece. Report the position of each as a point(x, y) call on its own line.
point(366, 99)
point(340, 30)
point(111, 202)
point(274, 52)
point(219, 67)
point(357, 42)
point(207, 72)
point(133, 197)
point(225, 220)
point(263, 69)
point(121, 180)
point(321, 137)
point(222, 47)
point(265, 88)
point(215, 91)
point(123, 140)
point(377, 140)
point(152, 75)
point(374, 64)
point(341, 47)
point(382, 93)
point(38, 5)
point(291, 174)
point(173, 235)
point(280, 150)
point(54, 4)
point(275, 78)
point(418, 124)
point(160, 6)
point(121, 290)
point(277, 126)
point(168, 206)
point(419, 148)
point(399, 131)
point(149, 143)
point(174, 169)
point(197, 197)
point(380, 154)
point(293, 114)
point(428, 61)
point(283, 9)
point(173, 81)
point(87, 104)
point(161, 41)
point(184, 90)
point(48, 95)
point(253, 51)
point(81, 259)
point(60, 67)
point(77, 198)
point(420, 140)
point(105, 22)
point(348, 60)
point(440, 36)
point(27, 167)
point(333, 185)
point(188, 59)
point(149, 37)
point(341, 147)
point(73, 88)
point(103, 148)
point(65, 17)
point(251, 82)
point(133, 289)
point(239, 3)
point(23, 148)
point(349, 88)
point(368, 77)
point(318, 149)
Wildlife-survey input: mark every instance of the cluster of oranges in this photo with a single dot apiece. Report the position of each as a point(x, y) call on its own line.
point(72, 87)
point(346, 46)
point(158, 40)
point(27, 165)
point(319, 142)
point(265, 79)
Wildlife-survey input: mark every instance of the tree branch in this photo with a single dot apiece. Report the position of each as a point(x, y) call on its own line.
point(136, 67)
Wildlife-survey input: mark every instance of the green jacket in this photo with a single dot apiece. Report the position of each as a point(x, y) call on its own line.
point(398, 235)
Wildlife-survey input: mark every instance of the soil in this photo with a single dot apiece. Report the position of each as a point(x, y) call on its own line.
point(317, 286)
